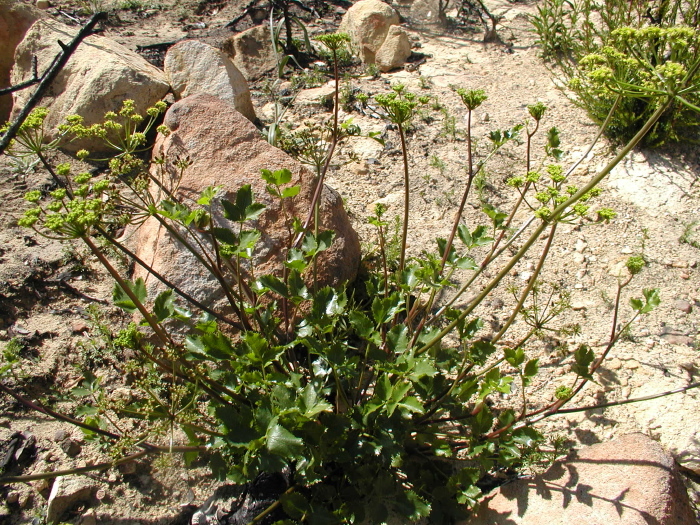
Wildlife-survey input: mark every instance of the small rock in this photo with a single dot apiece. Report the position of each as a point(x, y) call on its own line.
point(12, 498)
point(613, 364)
point(79, 326)
point(683, 305)
point(70, 447)
point(60, 435)
point(626, 250)
point(685, 276)
point(580, 246)
point(25, 500)
point(525, 275)
point(578, 305)
point(40, 485)
point(679, 264)
point(89, 518)
point(128, 468)
point(632, 364)
point(100, 494)
point(485, 117)
point(675, 337)
point(67, 491)
point(43, 4)
point(579, 258)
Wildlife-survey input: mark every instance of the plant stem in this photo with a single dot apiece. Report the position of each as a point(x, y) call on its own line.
point(406, 182)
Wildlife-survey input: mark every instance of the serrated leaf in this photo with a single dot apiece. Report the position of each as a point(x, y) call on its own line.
point(480, 236)
point(526, 436)
point(282, 442)
point(270, 282)
point(164, 305)
point(532, 367)
point(464, 235)
point(296, 260)
point(295, 505)
point(515, 357)
point(291, 191)
point(207, 195)
point(123, 301)
point(466, 263)
point(225, 235)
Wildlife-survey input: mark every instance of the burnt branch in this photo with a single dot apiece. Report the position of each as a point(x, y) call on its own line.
point(48, 77)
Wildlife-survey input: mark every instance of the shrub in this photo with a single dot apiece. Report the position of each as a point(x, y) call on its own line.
point(617, 57)
point(372, 400)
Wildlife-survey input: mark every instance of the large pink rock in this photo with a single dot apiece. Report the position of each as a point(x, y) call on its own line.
point(226, 150)
point(628, 481)
point(15, 19)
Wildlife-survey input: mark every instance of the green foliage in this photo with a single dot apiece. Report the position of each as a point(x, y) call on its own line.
point(377, 398)
point(636, 52)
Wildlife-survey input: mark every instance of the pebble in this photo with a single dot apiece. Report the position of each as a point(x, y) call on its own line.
point(578, 305)
point(100, 494)
point(25, 500)
point(613, 364)
point(60, 435)
point(632, 364)
point(42, 4)
point(12, 498)
point(683, 305)
point(626, 250)
point(40, 485)
point(580, 246)
point(579, 258)
point(685, 276)
point(485, 117)
point(127, 468)
point(70, 447)
point(679, 264)
point(79, 326)
point(89, 518)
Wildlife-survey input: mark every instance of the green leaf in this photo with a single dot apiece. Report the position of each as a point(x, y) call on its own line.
point(526, 436)
point(297, 287)
point(480, 236)
point(282, 442)
point(397, 339)
point(496, 216)
point(514, 357)
point(531, 369)
point(123, 301)
point(270, 282)
point(244, 209)
point(164, 305)
point(464, 235)
point(291, 191)
point(466, 263)
point(225, 235)
point(584, 357)
point(410, 504)
point(383, 388)
point(207, 195)
point(652, 300)
point(296, 260)
point(295, 505)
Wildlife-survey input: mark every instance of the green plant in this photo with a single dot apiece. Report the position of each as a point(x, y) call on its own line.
point(437, 163)
point(621, 56)
point(689, 235)
point(372, 70)
point(91, 7)
point(375, 400)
